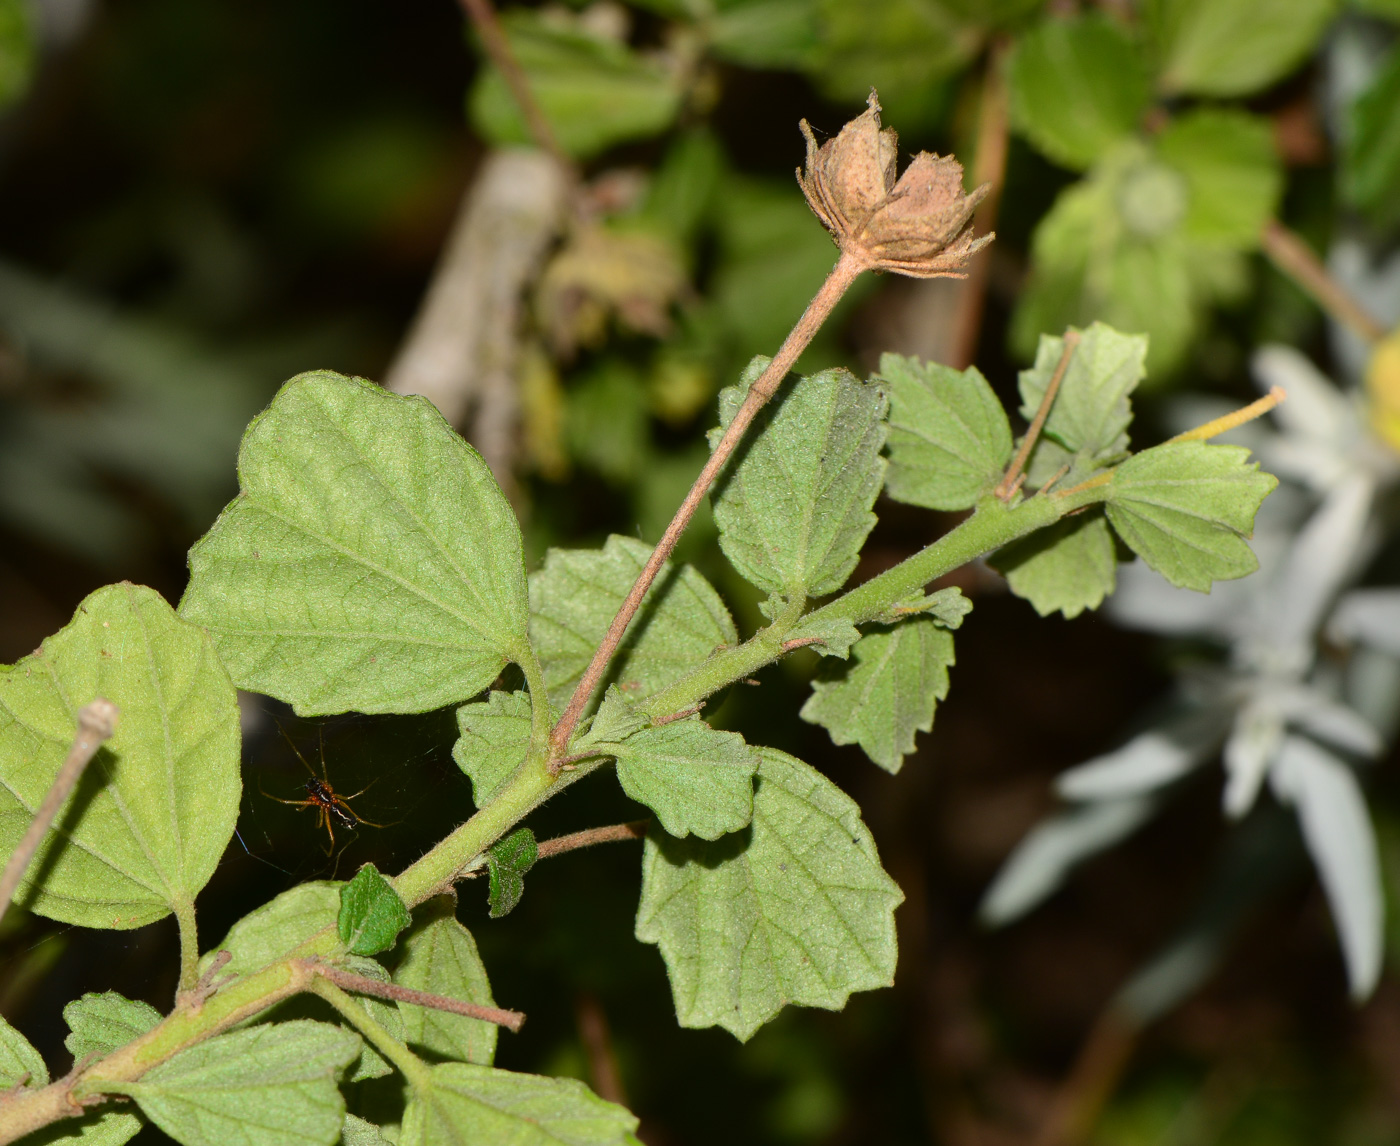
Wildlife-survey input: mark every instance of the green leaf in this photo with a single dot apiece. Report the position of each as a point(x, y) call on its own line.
point(831, 636)
point(795, 909)
point(371, 913)
point(19, 1058)
point(358, 1132)
point(616, 720)
point(1233, 174)
point(441, 958)
point(105, 1128)
point(370, 1064)
point(16, 50)
point(99, 1024)
point(276, 928)
point(273, 1084)
point(947, 607)
point(1371, 156)
point(150, 818)
point(696, 779)
point(609, 430)
point(1076, 86)
point(794, 510)
point(1067, 567)
point(772, 34)
point(1184, 508)
point(1091, 413)
point(507, 861)
point(886, 692)
point(1233, 47)
point(467, 1105)
point(371, 563)
point(594, 92)
point(575, 596)
point(949, 437)
point(495, 736)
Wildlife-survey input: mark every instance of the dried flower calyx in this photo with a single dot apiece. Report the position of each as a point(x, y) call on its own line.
point(919, 226)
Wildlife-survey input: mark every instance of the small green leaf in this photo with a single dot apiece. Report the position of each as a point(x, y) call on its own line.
point(277, 927)
point(1371, 158)
point(1077, 86)
point(99, 1024)
point(155, 809)
point(595, 92)
point(1233, 47)
point(575, 596)
point(831, 636)
point(770, 34)
point(616, 720)
point(886, 692)
point(949, 437)
point(1184, 508)
point(507, 861)
point(495, 736)
point(441, 958)
point(18, 1058)
point(1233, 174)
point(371, 913)
point(358, 1132)
point(466, 1105)
point(1067, 567)
point(370, 563)
point(696, 779)
point(794, 510)
point(273, 1084)
point(948, 607)
point(795, 909)
point(16, 50)
point(1091, 413)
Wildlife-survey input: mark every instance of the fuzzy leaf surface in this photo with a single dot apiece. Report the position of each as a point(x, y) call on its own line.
point(1371, 163)
point(1185, 508)
point(1233, 175)
point(1092, 410)
point(494, 738)
point(507, 861)
point(271, 931)
point(575, 595)
point(370, 562)
point(106, 1128)
point(370, 1064)
point(273, 1084)
point(145, 827)
point(697, 779)
point(100, 1023)
point(1067, 567)
point(358, 1132)
point(371, 913)
point(1077, 86)
point(468, 1105)
point(887, 691)
point(441, 957)
point(949, 438)
point(19, 1058)
point(794, 509)
point(795, 909)
point(830, 636)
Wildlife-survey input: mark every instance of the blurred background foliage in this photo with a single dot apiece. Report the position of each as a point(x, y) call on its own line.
point(199, 200)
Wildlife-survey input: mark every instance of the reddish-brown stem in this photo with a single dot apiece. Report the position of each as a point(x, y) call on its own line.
point(597, 1042)
point(364, 985)
point(693, 710)
point(1012, 479)
point(97, 722)
point(586, 839)
point(847, 270)
point(1091, 1081)
point(1290, 254)
point(493, 39)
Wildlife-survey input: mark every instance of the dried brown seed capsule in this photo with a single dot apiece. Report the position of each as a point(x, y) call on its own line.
point(920, 225)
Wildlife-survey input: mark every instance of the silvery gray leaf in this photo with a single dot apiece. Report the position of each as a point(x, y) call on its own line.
point(1370, 617)
point(1151, 760)
point(1249, 751)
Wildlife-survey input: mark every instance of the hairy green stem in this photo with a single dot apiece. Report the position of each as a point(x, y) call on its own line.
point(413, 1068)
point(529, 663)
point(189, 945)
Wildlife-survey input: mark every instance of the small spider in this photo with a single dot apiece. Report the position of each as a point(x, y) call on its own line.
point(329, 805)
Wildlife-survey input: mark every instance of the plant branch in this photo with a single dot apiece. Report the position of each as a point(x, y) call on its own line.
point(635, 830)
point(1226, 422)
point(364, 985)
point(847, 270)
point(413, 1068)
point(97, 722)
point(189, 945)
point(1010, 481)
point(1291, 255)
point(493, 39)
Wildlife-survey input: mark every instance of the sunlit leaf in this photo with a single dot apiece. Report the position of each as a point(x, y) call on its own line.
point(441, 958)
point(466, 1105)
point(370, 563)
point(1067, 567)
point(99, 1024)
point(949, 438)
point(495, 736)
point(794, 510)
point(147, 824)
point(794, 909)
point(887, 691)
point(1186, 507)
point(575, 596)
point(273, 1084)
